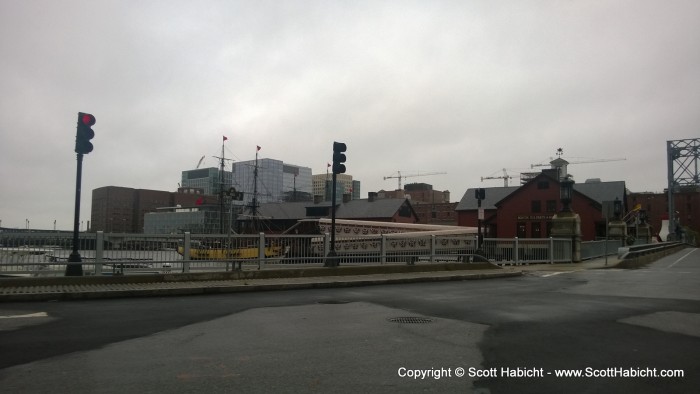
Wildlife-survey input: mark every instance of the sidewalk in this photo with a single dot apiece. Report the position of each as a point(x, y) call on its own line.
point(77, 288)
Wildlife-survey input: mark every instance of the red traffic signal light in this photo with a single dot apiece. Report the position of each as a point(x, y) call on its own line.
point(84, 133)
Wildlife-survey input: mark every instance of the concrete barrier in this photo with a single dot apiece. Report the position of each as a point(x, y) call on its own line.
point(245, 274)
point(636, 257)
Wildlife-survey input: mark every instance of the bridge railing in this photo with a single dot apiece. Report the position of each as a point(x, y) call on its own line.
point(46, 254)
point(527, 250)
point(600, 248)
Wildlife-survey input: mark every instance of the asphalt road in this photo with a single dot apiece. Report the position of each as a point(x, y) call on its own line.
point(516, 334)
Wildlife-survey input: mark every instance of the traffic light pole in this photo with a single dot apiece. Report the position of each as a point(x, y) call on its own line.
point(338, 168)
point(332, 258)
point(75, 266)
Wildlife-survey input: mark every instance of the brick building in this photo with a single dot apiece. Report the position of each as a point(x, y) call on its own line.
point(431, 206)
point(526, 211)
point(686, 203)
point(122, 209)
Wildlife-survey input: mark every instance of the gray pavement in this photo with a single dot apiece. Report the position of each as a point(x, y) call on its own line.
point(89, 288)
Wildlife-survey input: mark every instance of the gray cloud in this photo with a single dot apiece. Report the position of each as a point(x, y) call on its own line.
point(465, 87)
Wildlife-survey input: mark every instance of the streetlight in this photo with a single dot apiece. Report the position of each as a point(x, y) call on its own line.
point(566, 190)
point(617, 208)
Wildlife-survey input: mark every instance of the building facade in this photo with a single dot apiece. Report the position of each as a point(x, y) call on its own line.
point(438, 213)
point(527, 211)
point(322, 187)
point(655, 205)
point(118, 209)
point(276, 181)
point(202, 219)
point(209, 180)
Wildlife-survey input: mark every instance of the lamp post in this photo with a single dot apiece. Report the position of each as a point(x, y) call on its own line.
point(567, 223)
point(617, 208)
point(566, 189)
point(617, 229)
point(479, 194)
point(643, 229)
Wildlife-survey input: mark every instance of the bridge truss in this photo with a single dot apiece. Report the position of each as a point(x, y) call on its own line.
point(682, 170)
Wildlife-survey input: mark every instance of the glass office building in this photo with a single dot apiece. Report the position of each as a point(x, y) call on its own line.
point(207, 179)
point(276, 181)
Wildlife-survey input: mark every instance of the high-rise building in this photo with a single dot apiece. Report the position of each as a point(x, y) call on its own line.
point(276, 181)
point(345, 184)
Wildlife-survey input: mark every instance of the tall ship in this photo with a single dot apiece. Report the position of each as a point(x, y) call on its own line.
point(234, 247)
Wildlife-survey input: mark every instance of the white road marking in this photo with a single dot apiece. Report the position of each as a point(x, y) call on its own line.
point(686, 255)
point(557, 273)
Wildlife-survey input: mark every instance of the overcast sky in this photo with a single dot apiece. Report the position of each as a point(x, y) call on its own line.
point(463, 87)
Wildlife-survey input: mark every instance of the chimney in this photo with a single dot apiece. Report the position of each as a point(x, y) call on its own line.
point(347, 197)
point(371, 196)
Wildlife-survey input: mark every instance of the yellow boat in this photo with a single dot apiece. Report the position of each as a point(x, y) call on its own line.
point(203, 252)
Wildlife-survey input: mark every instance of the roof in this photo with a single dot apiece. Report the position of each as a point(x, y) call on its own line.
point(602, 191)
point(493, 195)
point(379, 208)
point(362, 208)
point(597, 191)
point(284, 210)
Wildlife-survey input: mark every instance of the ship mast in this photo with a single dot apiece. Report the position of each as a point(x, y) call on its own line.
point(254, 203)
point(221, 188)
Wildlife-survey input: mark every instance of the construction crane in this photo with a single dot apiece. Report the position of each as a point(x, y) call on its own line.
point(505, 177)
point(200, 163)
point(399, 176)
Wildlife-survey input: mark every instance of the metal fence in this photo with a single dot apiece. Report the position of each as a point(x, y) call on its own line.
point(602, 248)
point(46, 254)
point(526, 251)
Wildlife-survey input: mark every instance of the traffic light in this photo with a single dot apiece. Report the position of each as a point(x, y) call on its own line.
point(235, 195)
point(84, 133)
point(338, 157)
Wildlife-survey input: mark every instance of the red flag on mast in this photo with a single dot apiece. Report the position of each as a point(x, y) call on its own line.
point(258, 147)
point(225, 138)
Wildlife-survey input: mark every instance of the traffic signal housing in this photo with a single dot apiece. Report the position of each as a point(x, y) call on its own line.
point(235, 195)
point(84, 133)
point(339, 157)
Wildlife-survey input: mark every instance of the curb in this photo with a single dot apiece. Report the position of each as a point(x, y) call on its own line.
point(160, 289)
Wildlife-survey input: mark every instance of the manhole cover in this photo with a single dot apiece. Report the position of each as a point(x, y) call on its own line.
point(410, 319)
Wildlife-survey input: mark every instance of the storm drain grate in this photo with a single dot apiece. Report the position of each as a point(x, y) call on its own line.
point(332, 302)
point(410, 320)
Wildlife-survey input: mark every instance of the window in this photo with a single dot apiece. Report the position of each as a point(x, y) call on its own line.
point(536, 206)
point(543, 185)
point(551, 205)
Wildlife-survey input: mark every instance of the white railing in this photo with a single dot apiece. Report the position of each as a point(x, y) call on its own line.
point(46, 254)
point(527, 250)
